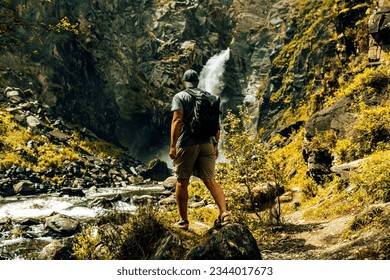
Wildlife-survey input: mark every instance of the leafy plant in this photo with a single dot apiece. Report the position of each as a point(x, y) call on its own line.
point(249, 162)
point(373, 176)
point(372, 129)
point(121, 236)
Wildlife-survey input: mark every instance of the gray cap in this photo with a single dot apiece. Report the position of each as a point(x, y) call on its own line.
point(190, 78)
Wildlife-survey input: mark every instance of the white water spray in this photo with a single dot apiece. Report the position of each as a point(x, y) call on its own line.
point(210, 78)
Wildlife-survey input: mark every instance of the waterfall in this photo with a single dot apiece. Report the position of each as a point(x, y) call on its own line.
point(210, 78)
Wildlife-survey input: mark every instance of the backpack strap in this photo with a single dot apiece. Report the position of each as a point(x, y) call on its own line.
point(190, 92)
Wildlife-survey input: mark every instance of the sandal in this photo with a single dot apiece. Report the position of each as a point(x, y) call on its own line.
point(182, 224)
point(222, 221)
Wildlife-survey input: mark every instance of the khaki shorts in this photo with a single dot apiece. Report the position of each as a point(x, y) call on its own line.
point(198, 160)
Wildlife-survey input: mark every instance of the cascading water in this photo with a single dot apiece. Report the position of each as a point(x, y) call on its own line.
point(210, 79)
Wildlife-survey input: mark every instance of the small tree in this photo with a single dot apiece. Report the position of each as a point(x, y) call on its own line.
point(249, 163)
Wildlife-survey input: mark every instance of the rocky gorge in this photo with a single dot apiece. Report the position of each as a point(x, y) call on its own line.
point(121, 69)
point(314, 76)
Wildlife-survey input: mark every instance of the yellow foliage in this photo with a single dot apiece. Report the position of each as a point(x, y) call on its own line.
point(101, 148)
point(332, 202)
point(42, 155)
point(250, 162)
point(50, 155)
point(372, 81)
point(373, 176)
point(85, 245)
point(290, 158)
point(97, 147)
point(198, 188)
point(345, 150)
point(64, 24)
point(203, 215)
point(324, 141)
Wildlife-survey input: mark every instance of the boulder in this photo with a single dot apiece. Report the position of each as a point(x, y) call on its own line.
point(33, 121)
point(136, 180)
point(157, 170)
point(12, 92)
point(338, 119)
point(25, 187)
point(170, 183)
point(197, 204)
point(57, 250)
point(168, 247)
point(59, 135)
point(62, 224)
point(343, 170)
point(6, 188)
point(143, 199)
point(379, 25)
point(265, 193)
point(171, 200)
point(232, 242)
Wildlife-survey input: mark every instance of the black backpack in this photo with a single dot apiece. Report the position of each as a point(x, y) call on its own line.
point(205, 115)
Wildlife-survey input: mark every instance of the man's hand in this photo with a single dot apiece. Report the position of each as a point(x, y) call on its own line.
point(172, 153)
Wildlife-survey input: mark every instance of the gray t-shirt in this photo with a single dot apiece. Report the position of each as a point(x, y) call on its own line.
point(183, 101)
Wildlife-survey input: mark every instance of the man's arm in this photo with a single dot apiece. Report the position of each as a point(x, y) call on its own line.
point(177, 121)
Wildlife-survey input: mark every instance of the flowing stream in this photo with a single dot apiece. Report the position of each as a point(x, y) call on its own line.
point(22, 218)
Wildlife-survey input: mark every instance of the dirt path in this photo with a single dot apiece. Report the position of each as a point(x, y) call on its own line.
point(308, 240)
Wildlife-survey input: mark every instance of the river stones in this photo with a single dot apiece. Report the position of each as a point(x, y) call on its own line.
point(62, 224)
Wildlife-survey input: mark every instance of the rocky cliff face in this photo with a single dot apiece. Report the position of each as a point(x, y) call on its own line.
point(118, 74)
point(115, 65)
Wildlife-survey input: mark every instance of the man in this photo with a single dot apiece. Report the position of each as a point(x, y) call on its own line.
point(193, 155)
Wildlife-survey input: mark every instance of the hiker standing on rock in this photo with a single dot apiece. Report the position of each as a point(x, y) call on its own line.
point(194, 145)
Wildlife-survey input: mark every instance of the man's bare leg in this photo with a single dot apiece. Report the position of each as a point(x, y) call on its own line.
point(217, 194)
point(182, 197)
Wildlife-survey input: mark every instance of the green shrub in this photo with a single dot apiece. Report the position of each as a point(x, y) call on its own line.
point(141, 233)
point(121, 236)
point(365, 219)
point(372, 130)
point(249, 161)
point(373, 176)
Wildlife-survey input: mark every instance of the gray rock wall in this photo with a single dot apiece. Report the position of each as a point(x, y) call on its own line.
point(118, 74)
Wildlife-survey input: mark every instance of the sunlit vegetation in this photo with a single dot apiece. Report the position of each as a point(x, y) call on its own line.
point(65, 25)
point(96, 147)
point(23, 147)
point(128, 236)
point(373, 176)
point(249, 161)
point(333, 201)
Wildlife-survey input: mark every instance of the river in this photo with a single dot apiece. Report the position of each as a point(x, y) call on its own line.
point(23, 233)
